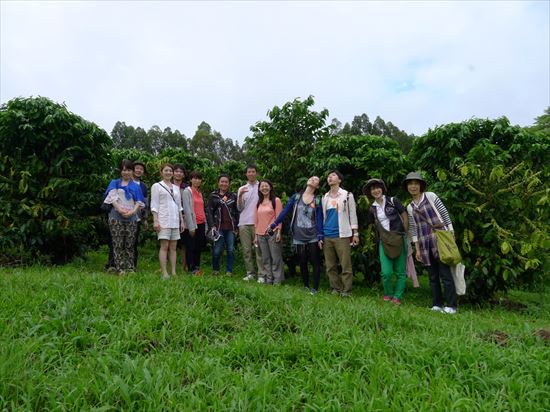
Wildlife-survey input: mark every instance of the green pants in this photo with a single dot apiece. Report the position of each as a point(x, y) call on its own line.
point(391, 266)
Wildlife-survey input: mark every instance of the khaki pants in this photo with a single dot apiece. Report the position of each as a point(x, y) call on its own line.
point(272, 256)
point(247, 233)
point(338, 250)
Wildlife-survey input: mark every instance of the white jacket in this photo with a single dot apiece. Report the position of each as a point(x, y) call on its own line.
point(347, 214)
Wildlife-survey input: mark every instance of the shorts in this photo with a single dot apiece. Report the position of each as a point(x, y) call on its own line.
point(169, 234)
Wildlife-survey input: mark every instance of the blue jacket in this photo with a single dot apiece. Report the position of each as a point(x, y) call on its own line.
point(292, 204)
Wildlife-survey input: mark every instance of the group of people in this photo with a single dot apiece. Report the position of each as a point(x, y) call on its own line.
point(319, 225)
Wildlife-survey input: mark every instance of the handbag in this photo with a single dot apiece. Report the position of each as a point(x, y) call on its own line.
point(458, 278)
point(447, 247)
point(392, 242)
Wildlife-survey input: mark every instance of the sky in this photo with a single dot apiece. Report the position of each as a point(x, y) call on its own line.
point(174, 64)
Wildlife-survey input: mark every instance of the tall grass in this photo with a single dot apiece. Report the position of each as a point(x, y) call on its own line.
point(74, 338)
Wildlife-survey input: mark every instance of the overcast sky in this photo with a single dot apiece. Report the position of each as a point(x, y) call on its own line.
point(177, 63)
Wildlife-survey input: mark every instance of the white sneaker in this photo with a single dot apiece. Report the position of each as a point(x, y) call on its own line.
point(437, 309)
point(249, 277)
point(261, 280)
point(449, 310)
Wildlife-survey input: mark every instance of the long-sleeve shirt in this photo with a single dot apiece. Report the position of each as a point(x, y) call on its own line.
point(292, 204)
point(166, 203)
point(344, 203)
point(440, 207)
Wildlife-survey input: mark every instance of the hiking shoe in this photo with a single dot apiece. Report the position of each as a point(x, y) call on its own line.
point(249, 277)
point(215, 273)
point(313, 291)
point(261, 280)
point(228, 273)
point(449, 310)
point(334, 292)
point(437, 309)
point(396, 301)
point(387, 298)
point(346, 294)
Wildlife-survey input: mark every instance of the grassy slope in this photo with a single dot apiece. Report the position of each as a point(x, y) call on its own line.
point(75, 338)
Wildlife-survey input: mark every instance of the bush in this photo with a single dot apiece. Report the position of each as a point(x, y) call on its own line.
point(494, 180)
point(52, 165)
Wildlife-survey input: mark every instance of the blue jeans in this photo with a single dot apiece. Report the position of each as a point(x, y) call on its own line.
point(227, 239)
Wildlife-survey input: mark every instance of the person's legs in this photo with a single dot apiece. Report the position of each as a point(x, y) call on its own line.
point(247, 234)
point(189, 250)
point(448, 284)
point(435, 284)
point(130, 229)
point(315, 258)
point(163, 252)
point(400, 270)
point(303, 257)
point(229, 236)
point(138, 227)
point(343, 251)
point(200, 239)
point(276, 252)
point(386, 266)
point(217, 250)
point(331, 264)
point(263, 245)
point(173, 255)
point(115, 228)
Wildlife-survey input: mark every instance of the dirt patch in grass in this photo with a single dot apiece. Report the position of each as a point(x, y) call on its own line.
point(544, 334)
point(511, 305)
point(497, 337)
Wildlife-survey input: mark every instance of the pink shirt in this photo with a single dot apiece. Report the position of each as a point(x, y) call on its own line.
point(266, 215)
point(198, 205)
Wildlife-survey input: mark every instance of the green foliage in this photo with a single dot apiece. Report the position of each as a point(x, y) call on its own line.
point(51, 168)
point(283, 145)
point(493, 178)
point(210, 144)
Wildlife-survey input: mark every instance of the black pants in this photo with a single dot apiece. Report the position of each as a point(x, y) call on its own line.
point(194, 246)
point(310, 253)
point(136, 244)
point(438, 272)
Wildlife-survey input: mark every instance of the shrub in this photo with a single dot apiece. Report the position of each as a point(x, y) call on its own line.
point(51, 168)
point(494, 180)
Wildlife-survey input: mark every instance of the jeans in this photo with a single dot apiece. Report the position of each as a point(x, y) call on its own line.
point(227, 239)
point(438, 272)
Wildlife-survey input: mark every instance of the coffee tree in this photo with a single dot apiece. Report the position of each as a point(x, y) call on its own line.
point(52, 164)
point(493, 178)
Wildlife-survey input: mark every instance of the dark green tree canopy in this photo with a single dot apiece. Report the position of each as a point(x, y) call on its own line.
point(51, 179)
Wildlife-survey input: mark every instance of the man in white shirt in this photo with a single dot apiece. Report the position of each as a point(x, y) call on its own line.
point(247, 203)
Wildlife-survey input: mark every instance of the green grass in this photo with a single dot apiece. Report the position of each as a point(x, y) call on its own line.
point(74, 338)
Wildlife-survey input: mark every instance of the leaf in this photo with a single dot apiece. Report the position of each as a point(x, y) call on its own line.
point(505, 247)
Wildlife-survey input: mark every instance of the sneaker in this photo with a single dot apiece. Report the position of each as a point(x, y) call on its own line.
point(198, 272)
point(261, 280)
point(387, 298)
point(396, 301)
point(334, 292)
point(215, 273)
point(110, 269)
point(228, 273)
point(313, 291)
point(346, 294)
point(437, 309)
point(249, 277)
point(449, 310)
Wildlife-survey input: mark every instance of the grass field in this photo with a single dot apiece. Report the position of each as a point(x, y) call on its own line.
point(74, 338)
